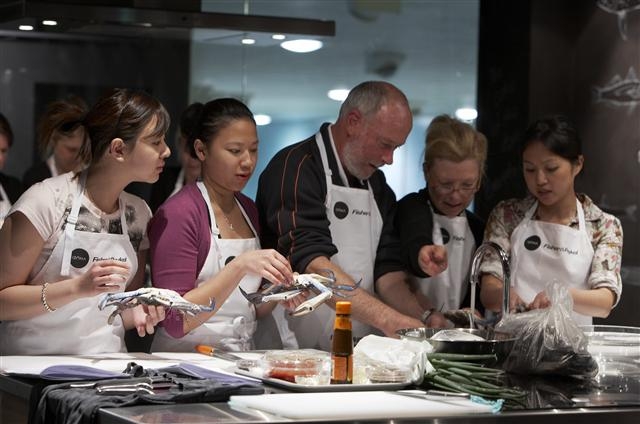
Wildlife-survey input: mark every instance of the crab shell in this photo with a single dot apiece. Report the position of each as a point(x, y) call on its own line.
point(154, 297)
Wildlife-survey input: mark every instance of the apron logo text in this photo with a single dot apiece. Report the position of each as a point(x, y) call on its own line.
point(560, 249)
point(360, 212)
point(110, 258)
point(229, 259)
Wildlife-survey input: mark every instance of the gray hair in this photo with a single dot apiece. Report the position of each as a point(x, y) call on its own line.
point(369, 96)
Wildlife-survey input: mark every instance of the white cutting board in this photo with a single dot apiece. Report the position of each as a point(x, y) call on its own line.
point(357, 405)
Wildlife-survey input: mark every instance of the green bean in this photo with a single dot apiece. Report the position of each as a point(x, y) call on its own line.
point(461, 356)
point(453, 376)
point(439, 363)
point(466, 373)
point(486, 384)
point(455, 387)
point(460, 371)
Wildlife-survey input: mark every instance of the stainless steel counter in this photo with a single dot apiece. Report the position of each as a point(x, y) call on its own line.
point(605, 399)
point(222, 413)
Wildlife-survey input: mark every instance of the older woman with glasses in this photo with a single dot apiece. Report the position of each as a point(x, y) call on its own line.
point(439, 235)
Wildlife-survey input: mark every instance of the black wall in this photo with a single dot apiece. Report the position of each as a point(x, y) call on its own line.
point(544, 57)
point(36, 71)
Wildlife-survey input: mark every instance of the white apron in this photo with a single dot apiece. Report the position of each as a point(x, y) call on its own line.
point(448, 289)
point(356, 225)
point(78, 327)
point(5, 205)
point(542, 251)
point(233, 325)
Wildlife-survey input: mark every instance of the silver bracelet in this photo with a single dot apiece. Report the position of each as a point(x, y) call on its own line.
point(43, 298)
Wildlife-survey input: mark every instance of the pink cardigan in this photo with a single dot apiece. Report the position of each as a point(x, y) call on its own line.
point(180, 238)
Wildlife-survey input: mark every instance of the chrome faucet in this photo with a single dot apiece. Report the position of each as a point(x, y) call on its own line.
point(475, 277)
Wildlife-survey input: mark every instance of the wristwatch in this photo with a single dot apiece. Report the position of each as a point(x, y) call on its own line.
point(426, 314)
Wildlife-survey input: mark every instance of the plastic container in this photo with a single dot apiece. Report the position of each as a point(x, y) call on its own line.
point(296, 366)
point(382, 374)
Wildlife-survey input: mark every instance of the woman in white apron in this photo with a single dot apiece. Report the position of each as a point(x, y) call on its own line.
point(204, 242)
point(439, 235)
point(60, 139)
point(555, 233)
point(73, 238)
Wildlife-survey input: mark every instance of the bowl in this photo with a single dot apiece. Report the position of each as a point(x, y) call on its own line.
point(294, 365)
point(493, 342)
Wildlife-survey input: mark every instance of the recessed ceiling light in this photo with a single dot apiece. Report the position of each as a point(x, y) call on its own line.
point(25, 27)
point(248, 41)
point(49, 22)
point(262, 119)
point(466, 113)
point(338, 94)
point(278, 36)
point(301, 46)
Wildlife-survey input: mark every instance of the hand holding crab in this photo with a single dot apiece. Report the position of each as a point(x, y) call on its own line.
point(324, 287)
point(152, 302)
point(267, 263)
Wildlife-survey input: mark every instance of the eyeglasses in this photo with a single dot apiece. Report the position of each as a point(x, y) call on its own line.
point(448, 188)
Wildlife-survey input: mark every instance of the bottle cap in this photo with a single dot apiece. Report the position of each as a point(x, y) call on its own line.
point(343, 308)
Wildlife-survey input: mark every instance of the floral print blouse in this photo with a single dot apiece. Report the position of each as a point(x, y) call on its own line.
point(604, 229)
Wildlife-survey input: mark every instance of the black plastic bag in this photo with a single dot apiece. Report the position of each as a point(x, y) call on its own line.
point(548, 341)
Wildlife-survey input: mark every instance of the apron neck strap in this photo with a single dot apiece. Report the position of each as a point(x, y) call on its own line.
point(579, 212)
point(215, 232)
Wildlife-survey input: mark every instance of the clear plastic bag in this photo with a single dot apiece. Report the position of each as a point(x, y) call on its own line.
point(548, 341)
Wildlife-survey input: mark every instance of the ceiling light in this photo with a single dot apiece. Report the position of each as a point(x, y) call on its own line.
point(248, 41)
point(278, 36)
point(25, 27)
point(466, 113)
point(49, 22)
point(301, 45)
point(262, 119)
point(338, 94)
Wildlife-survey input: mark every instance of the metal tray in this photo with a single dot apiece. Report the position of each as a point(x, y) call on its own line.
point(295, 387)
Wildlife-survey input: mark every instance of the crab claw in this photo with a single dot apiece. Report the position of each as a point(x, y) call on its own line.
point(311, 304)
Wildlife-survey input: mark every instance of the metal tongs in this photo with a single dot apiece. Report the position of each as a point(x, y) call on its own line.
point(118, 386)
point(126, 386)
point(324, 287)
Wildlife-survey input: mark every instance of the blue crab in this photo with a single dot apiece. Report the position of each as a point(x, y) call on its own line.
point(324, 287)
point(151, 296)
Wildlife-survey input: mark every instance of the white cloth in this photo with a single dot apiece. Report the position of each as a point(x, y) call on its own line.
point(5, 205)
point(179, 182)
point(51, 164)
point(448, 289)
point(543, 251)
point(355, 224)
point(233, 325)
point(78, 327)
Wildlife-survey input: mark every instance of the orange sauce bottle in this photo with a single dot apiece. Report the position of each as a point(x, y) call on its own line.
point(342, 346)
